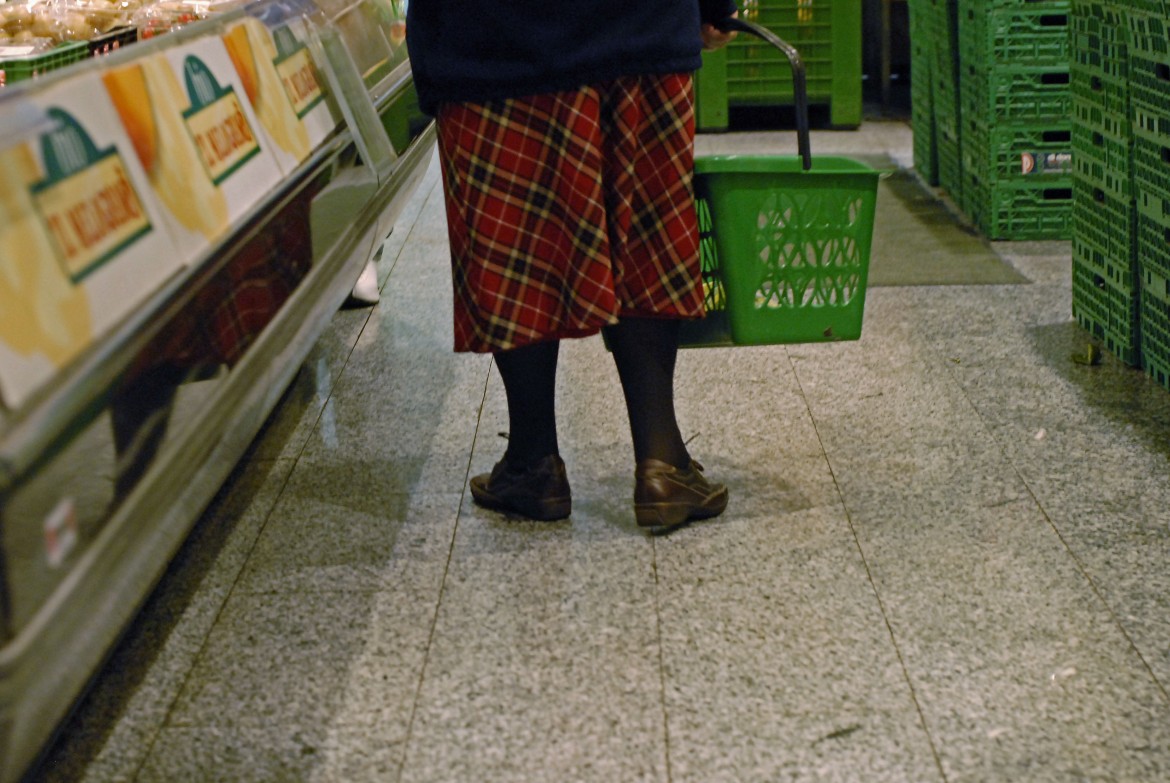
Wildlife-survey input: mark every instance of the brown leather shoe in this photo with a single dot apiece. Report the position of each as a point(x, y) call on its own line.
point(665, 496)
point(540, 492)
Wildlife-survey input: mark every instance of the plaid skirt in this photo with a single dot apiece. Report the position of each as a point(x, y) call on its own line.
point(571, 210)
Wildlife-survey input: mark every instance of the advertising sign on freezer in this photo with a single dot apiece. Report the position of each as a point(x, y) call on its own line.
point(82, 241)
point(284, 87)
point(193, 128)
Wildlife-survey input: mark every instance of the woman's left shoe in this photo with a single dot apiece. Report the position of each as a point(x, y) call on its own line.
point(665, 496)
point(539, 492)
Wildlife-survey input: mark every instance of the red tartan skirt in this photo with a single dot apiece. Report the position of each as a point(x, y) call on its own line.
point(571, 210)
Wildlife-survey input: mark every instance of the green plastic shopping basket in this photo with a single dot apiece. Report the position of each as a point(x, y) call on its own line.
point(785, 241)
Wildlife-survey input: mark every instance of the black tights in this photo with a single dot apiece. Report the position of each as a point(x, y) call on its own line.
point(644, 350)
point(530, 375)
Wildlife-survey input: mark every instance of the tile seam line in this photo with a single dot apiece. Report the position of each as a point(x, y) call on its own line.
point(869, 575)
point(661, 659)
point(408, 735)
point(405, 241)
point(233, 589)
point(1080, 565)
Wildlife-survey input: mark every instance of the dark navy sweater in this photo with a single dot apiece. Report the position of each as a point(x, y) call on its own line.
point(478, 50)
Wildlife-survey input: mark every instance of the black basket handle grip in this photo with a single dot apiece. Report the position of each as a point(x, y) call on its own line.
point(799, 88)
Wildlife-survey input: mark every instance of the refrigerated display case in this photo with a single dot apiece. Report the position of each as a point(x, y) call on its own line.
point(111, 450)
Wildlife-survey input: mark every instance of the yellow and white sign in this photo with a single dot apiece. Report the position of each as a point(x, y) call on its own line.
point(284, 86)
point(82, 242)
point(197, 138)
point(224, 137)
point(92, 214)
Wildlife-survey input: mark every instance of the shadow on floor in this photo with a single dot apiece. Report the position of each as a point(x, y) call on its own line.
point(918, 241)
point(1122, 394)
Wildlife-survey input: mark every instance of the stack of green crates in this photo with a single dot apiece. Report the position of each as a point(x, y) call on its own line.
point(934, 93)
point(935, 106)
point(1149, 82)
point(921, 92)
point(942, 30)
point(1015, 110)
point(18, 69)
point(751, 72)
point(1105, 278)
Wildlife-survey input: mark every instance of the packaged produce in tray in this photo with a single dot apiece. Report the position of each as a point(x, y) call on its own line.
point(59, 22)
point(157, 18)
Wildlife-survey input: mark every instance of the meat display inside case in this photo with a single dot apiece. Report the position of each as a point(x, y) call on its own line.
point(145, 360)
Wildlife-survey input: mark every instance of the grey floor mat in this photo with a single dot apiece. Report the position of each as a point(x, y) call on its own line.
point(918, 241)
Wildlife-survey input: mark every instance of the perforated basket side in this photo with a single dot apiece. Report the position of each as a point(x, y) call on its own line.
point(715, 329)
point(793, 246)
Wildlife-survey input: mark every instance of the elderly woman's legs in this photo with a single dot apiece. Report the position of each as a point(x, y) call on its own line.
point(669, 486)
point(530, 480)
point(644, 350)
point(529, 374)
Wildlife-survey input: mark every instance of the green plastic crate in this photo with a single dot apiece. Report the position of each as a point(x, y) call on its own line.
point(790, 246)
point(950, 159)
point(1019, 210)
point(1156, 7)
point(1103, 161)
point(1016, 93)
point(940, 26)
point(1153, 228)
point(1027, 33)
point(991, 5)
point(1153, 238)
point(711, 92)
point(1104, 307)
point(1155, 326)
point(1099, 39)
point(16, 69)
point(1151, 184)
point(1151, 156)
point(1008, 153)
point(1106, 221)
point(827, 33)
point(1100, 104)
point(112, 40)
point(1149, 72)
point(922, 120)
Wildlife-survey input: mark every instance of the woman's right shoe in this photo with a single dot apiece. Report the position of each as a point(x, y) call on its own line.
point(665, 496)
point(540, 491)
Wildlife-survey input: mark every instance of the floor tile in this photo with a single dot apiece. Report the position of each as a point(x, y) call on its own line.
point(337, 530)
point(114, 726)
point(288, 429)
point(409, 420)
point(300, 661)
point(777, 660)
point(406, 229)
point(266, 753)
point(544, 664)
point(989, 609)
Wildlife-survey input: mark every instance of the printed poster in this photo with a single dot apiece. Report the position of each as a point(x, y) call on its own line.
point(82, 240)
point(284, 85)
point(192, 126)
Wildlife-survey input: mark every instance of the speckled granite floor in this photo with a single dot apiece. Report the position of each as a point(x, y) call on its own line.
point(945, 559)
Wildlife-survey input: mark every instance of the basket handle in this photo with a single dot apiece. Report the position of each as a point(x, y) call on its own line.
point(799, 89)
